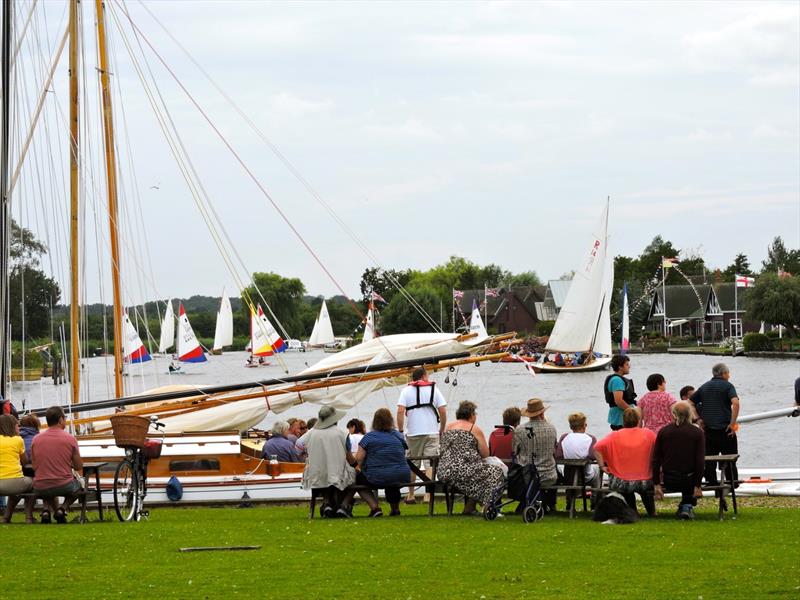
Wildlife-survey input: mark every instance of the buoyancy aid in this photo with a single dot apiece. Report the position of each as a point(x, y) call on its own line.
point(420, 403)
point(628, 394)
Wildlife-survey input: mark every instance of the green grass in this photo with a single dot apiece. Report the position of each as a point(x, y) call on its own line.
point(754, 556)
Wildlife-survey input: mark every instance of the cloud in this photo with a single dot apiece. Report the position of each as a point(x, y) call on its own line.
point(410, 129)
point(700, 136)
point(288, 105)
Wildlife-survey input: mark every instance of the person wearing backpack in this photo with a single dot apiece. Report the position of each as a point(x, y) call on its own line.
point(619, 391)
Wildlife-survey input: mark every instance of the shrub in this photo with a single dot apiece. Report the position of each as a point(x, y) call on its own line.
point(545, 327)
point(773, 334)
point(757, 342)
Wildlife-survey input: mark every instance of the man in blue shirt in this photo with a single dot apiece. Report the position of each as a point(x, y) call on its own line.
point(717, 404)
point(618, 390)
point(279, 446)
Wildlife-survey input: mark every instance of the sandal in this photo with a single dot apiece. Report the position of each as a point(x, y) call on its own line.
point(60, 515)
point(45, 516)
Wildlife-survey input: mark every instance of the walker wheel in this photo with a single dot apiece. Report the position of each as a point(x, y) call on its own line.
point(533, 513)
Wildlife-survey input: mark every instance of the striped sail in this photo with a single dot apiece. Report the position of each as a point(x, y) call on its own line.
point(189, 349)
point(133, 348)
point(264, 340)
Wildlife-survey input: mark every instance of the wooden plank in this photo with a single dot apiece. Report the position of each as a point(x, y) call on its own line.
point(218, 548)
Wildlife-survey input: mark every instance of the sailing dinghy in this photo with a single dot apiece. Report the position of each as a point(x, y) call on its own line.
point(223, 332)
point(135, 351)
point(583, 327)
point(189, 349)
point(264, 339)
point(322, 334)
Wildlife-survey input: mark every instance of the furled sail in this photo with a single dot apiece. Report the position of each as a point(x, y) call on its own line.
point(369, 326)
point(167, 338)
point(189, 349)
point(581, 323)
point(133, 348)
point(223, 333)
point(625, 342)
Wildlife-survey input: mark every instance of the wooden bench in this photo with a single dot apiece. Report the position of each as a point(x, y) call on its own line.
point(89, 493)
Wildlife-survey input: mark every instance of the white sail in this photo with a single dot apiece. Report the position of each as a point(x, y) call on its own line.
point(369, 327)
point(476, 322)
point(323, 330)
point(577, 324)
point(223, 333)
point(625, 341)
point(167, 329)
point(602, 341)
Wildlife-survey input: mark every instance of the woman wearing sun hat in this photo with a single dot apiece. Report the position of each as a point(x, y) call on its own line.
point(536, 442)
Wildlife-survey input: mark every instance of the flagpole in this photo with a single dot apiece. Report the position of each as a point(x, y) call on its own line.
point(664, 294)
point(453, 311)
point(485, 307)
point(735, 298)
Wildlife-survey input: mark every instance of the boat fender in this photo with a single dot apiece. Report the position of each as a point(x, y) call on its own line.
point(174, 489)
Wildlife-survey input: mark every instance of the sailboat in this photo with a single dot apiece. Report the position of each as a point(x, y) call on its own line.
point(625, 341)
point(189, 349)
point(135, 351)
point(369, 326)
point(264, 339)
point(167, 338)
point(322, 334)
point(223, 332)
point(582, 332)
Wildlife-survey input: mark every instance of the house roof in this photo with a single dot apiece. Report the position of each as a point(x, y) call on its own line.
point(682, 301)
point(528, 296)
point(727, 296)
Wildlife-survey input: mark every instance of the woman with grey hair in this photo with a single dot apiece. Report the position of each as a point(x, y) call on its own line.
point(279, 446)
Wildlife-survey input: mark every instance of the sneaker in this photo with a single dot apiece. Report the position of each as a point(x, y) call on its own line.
point(45, 516)
point(327, 512)
point(395, 513)
point(344, 513)
point(690, 513)
point(683, 512)
point(60, 516)
point(376, 512)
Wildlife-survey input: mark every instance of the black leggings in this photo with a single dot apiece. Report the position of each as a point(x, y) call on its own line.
point(683, 483)
point(719, 442)
point(392, 493)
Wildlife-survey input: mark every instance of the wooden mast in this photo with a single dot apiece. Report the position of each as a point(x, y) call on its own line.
point(111, 180)
point(74, 337)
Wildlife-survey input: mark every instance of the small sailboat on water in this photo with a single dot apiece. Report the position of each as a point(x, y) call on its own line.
point(223, 332)
point(264, 339)
point(322, 334)
point(134, 349)
point(189, 349)
point(581, 337)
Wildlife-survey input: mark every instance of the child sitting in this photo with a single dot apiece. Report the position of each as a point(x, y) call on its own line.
point(578, 445)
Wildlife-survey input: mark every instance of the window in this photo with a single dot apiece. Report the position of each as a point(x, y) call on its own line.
point(200, 464)
point(736, 328)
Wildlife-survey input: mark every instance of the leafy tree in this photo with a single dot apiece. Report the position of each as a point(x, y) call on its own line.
point(524, 279)
point(40, 293)
point(775, 300)
point(282, 294)
point(383, 282)
point(740, 266)
point(781, 258)
point(24, 248)
point(401, 317)
point(650, 258)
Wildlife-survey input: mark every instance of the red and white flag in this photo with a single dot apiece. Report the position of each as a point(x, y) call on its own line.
point(745, 281)
point(492, 292)
point(377, 296)
point(458, 294)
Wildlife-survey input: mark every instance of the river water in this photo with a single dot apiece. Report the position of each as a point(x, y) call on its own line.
point(762, 384)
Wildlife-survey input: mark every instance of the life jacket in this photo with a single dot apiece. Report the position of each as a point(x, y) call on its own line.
point(420, 403)
point(628, 394)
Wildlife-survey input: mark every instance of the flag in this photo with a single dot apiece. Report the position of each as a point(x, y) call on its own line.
point(458, 294)
point(492, 292)
point(377, 296)
point(669, 262)
point(744, 281)
point(783, 274)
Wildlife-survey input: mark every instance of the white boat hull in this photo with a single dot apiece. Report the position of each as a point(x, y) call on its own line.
point(596, 365)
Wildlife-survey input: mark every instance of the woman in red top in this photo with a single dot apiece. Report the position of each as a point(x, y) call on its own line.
point(656, 404)
point(625, 455)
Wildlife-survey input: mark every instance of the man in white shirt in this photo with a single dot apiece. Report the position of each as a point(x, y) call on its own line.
point(421, 415)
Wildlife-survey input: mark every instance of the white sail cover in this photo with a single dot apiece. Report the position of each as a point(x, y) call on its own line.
point(577, 323)
point(223, 333)
point(369, 327)
point(476, 322)
point(244, 414)
point(323, 330)
point(167, 338)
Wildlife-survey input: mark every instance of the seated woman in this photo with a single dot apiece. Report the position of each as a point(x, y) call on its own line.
point(382, 456)
point(12, 458)
point(626, 456)
point(357, 429)
point(463, 448)
point(330, 465)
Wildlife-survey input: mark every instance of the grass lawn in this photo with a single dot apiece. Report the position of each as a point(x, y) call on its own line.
point(413, 556)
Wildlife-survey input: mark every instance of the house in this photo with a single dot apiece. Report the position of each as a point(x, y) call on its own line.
point(554, 297)
point(511, 310)
point(691, 310)
point(734, 317)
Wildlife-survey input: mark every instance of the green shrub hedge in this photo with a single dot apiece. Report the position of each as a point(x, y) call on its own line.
point(757, 342)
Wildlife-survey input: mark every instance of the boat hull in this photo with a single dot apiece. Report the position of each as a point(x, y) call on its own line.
point(596, 365)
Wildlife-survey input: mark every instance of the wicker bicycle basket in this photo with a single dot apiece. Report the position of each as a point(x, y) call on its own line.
point(130, 431)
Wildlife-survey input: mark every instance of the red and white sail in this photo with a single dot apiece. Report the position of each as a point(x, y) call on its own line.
point(189, 349)
point(264, 339)
point(133, 348)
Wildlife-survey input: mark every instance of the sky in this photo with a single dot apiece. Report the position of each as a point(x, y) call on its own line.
point(493, 131)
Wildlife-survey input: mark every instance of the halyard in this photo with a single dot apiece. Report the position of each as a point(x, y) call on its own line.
point(413, 556)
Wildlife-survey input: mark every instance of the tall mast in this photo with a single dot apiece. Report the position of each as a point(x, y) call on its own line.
point(74, 338)
point(5, 222)
point(111, 180)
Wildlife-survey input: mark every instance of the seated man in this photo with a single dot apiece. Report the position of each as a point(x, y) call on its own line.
point(578, 445)
point(500, 440)
point(536, 442)
point(679, 459)
point(279, 446)
point(55, 454)
point(626, 455)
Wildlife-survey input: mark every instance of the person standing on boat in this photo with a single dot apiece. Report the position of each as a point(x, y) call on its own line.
point(422, 415)
point(619, 392)
point(717, 404)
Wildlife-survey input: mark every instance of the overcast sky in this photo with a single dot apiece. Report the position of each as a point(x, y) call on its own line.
point(492, 131)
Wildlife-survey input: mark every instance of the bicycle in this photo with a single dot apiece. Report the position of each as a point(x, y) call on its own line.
point(130, 477)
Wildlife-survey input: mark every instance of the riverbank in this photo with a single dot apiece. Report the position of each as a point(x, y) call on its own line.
point(409, 557)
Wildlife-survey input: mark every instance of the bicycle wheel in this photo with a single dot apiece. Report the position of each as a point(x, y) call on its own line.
point(126, 491)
